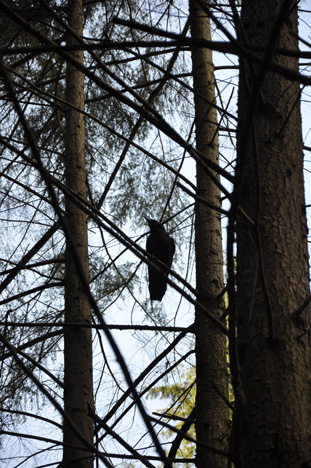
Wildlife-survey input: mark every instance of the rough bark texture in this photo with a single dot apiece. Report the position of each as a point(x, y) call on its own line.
point(211, 411)
point(273, 281)
point(78, 393)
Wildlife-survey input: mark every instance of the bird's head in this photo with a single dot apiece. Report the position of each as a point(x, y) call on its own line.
point(154, 225)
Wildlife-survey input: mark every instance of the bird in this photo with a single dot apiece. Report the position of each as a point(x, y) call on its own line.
point(162, 247)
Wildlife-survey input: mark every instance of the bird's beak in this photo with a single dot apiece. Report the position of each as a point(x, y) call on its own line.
point(147, 219)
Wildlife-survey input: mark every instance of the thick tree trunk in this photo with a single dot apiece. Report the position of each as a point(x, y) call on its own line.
point(211, 410)
point(78, 393)
point(274, 425)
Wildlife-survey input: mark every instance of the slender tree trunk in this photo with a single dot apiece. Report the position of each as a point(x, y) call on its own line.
point(273, 281)
point(78, 383)
point(211, 411)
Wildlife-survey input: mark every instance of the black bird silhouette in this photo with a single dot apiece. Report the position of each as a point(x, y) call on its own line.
point(162, 247)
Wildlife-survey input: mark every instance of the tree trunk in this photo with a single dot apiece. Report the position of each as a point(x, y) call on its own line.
point(78, 393)
point(274, 424)
point(211, 366)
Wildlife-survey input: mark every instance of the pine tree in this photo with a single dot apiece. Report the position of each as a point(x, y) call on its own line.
point(272, 263)
point(211, 366)
point(78, 372)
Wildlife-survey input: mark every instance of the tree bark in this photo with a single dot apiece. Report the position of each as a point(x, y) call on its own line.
point(78, 393)
point(274, 427)
point(211, 366)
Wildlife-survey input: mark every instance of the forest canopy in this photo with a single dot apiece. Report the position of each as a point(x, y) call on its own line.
point(194, 115)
